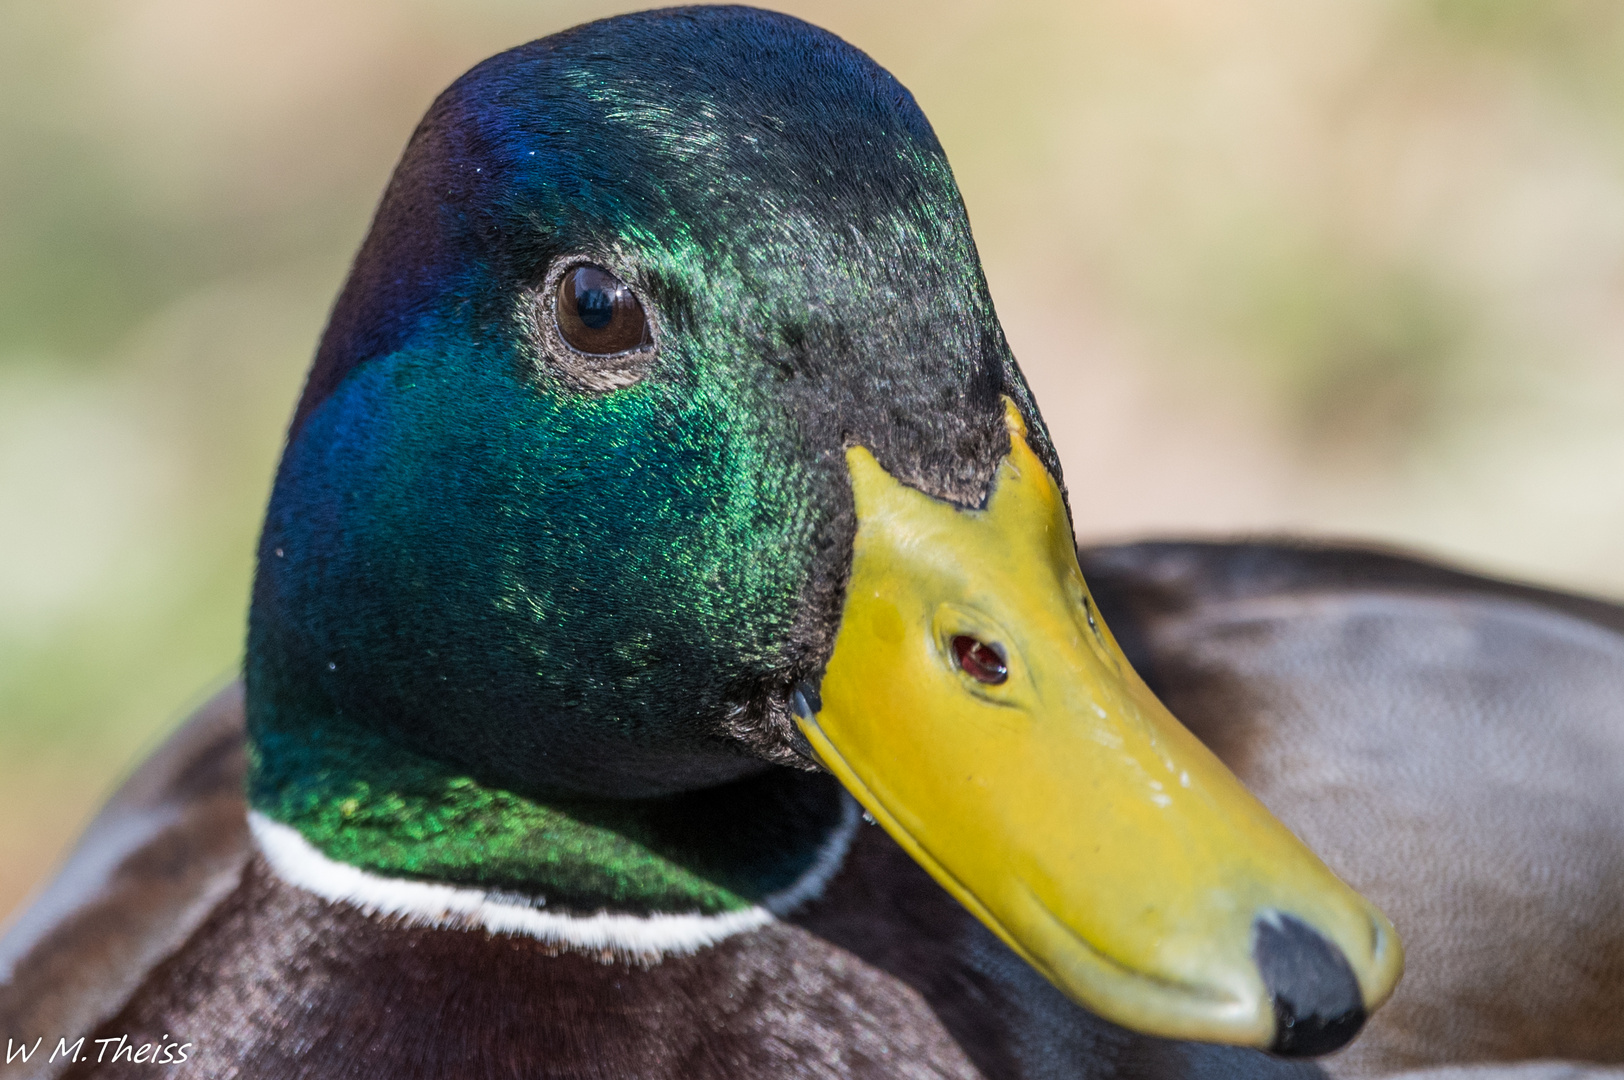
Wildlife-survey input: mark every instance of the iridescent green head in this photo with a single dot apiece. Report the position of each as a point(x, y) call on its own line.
point(665, 390)
point(605, 574)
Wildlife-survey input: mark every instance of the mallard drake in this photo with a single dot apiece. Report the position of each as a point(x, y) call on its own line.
point(662, 502)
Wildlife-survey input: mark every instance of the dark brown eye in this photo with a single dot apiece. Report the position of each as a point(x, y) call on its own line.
point(597, 313)
point(980, 661)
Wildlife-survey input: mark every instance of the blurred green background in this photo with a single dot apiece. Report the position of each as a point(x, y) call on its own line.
point(1351, 267)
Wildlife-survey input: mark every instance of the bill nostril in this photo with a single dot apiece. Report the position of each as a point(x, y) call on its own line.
point(982, 662)
point(1317, 1004)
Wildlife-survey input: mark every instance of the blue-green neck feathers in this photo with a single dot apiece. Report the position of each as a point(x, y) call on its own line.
point(481, 552)
point(364, 800)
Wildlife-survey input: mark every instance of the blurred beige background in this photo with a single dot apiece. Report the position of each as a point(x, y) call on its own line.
point(1344, 267)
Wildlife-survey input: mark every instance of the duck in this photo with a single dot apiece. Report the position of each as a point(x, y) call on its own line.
point(669, 655)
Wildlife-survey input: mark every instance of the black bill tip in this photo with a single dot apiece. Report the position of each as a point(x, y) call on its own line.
point(1317, 1004)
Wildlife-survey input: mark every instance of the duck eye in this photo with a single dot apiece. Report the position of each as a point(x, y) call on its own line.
point(982, 662)
point(597, 313)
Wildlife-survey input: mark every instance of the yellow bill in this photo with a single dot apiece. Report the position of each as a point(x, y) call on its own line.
point(979, 709)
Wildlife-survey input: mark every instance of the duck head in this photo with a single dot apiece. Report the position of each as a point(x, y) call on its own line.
point(664, 435)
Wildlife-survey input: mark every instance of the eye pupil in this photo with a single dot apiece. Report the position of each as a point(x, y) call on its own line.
point(595, 307)
point(598, 314)
point(980, 661)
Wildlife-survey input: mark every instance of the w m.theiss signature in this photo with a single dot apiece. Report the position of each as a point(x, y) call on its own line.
point(102, 1051)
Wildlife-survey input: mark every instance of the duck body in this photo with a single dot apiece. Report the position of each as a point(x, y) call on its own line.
point(1381, 659)
point(664, 490)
